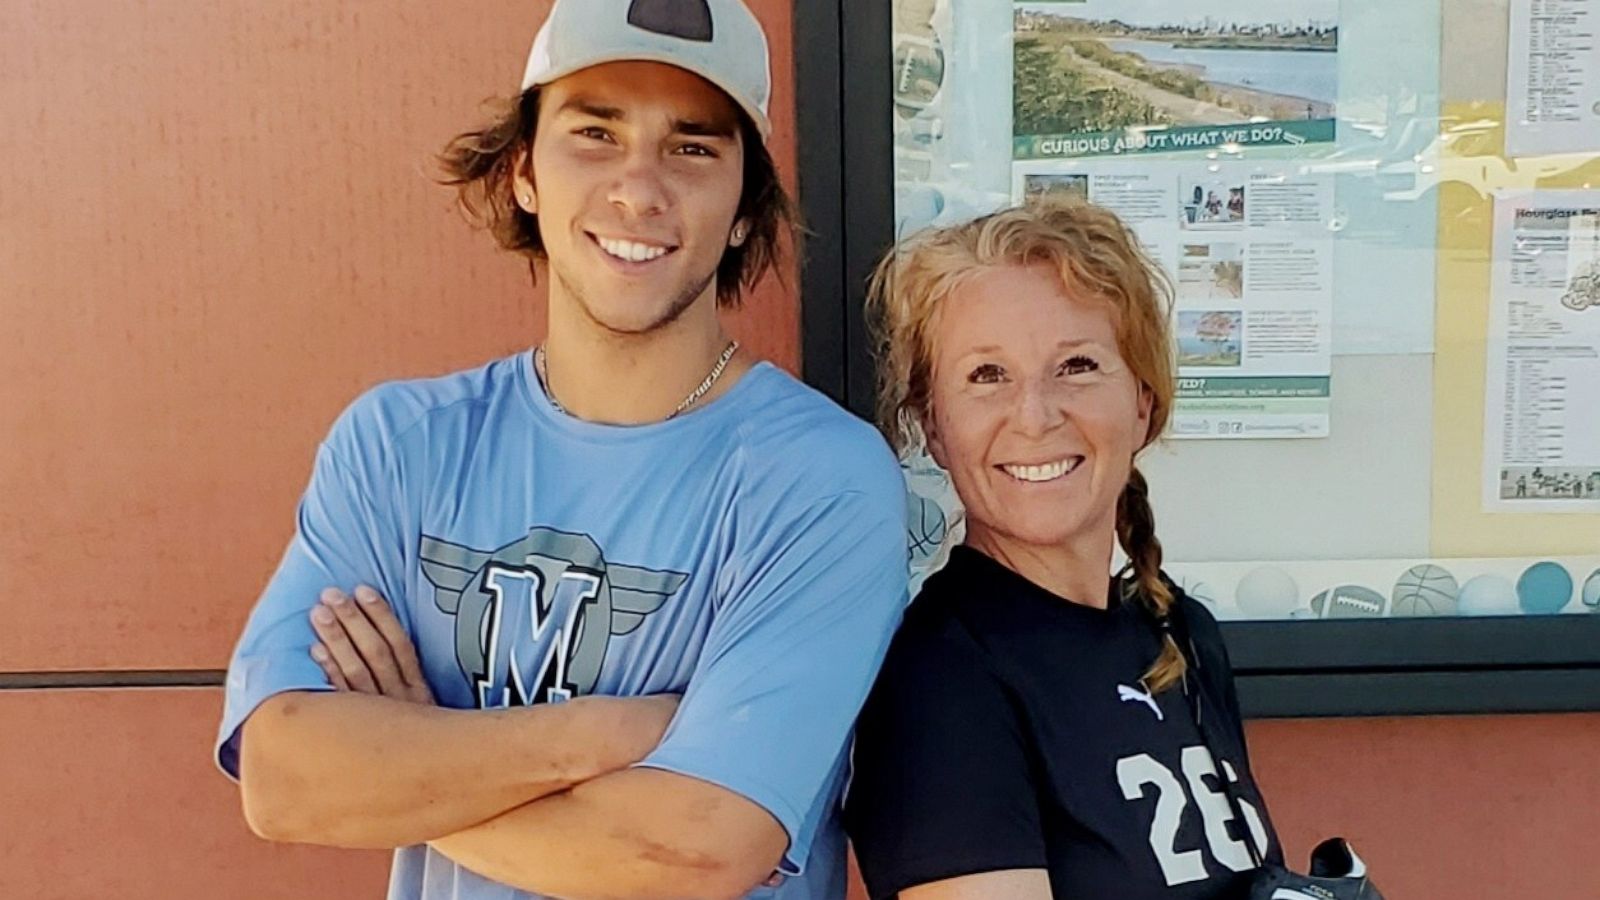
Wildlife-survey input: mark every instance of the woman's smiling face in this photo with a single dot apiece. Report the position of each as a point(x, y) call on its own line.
point(1034, 413)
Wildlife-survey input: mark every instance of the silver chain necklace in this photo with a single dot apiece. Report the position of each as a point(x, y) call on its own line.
point(693, 398)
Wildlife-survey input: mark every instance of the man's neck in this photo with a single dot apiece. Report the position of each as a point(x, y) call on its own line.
point(634, 379)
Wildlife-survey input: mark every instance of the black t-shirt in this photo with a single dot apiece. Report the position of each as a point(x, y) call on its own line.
point(1008, 729)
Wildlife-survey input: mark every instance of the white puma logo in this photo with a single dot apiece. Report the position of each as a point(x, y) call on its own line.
point(1125, 694)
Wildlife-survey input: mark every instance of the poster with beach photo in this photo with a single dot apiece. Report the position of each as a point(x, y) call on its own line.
point(1114, 77)
point(1250, 263)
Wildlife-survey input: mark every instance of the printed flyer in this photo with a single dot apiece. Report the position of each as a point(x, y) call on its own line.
point(1250, 259)
point(1541, 428)
point(1553, 77)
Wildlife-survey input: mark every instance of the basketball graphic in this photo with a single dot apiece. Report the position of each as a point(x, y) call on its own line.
point(926, 528)
point(1544, 589)
point(1348, 601)
point(1425, 590)
point(1201, 591)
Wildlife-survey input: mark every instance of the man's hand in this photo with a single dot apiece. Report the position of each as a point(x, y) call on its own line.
point(362, 647)
point(305, 757)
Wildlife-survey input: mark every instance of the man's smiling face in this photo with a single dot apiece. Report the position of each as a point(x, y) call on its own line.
point(637, 171)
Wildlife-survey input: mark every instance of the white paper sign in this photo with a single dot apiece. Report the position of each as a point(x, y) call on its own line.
point(1541, 424)
point(1553, 80)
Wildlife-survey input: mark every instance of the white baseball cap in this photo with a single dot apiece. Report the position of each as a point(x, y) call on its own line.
point(719, 40)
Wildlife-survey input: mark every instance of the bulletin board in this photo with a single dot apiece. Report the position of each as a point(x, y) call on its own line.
point(1383, 473)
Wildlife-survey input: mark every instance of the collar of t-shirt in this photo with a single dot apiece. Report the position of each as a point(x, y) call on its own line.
point(971, 568)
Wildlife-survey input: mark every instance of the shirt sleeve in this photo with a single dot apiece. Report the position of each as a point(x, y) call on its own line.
point(1218, 667)
point(1213, 651)
point(346, 533)
point(790, 657)
point(942, 784)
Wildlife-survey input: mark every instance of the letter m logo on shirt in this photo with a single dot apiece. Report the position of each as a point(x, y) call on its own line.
point(533, 618)
point(536, 671)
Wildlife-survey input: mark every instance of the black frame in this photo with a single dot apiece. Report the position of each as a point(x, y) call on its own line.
point(1333, 668)
point(846, 186)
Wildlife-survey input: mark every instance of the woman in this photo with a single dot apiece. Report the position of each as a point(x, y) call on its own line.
point(1032, 733)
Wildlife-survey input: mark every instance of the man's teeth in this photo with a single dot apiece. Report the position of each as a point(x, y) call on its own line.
point(631, 251)
point(1047, 472)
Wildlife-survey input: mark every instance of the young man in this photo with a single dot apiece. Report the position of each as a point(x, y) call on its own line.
point(554, 548)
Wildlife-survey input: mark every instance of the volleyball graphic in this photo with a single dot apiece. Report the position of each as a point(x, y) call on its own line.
point(1425, 590)
point(1267, 593)
point(1349, 601)
point(1488, 595)
point(1591, 592)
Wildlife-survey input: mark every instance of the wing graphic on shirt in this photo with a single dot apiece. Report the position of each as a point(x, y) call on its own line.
point(636, 593)
point(522, 611)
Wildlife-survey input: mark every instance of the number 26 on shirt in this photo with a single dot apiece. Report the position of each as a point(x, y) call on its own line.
point(1137, 774)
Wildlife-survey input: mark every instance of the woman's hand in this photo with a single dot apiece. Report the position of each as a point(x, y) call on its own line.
point(361, 646)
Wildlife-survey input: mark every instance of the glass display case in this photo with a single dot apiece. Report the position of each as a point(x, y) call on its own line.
point(1381, 223)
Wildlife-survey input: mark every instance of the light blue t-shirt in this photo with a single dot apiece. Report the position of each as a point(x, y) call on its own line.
point(750, 555)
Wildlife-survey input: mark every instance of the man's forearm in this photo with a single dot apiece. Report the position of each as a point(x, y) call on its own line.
point(639, 834)
point(354, 770)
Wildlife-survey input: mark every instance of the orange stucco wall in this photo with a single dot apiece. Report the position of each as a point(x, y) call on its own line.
point(215, 229)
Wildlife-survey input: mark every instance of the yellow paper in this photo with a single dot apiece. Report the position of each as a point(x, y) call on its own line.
point(1472, 167)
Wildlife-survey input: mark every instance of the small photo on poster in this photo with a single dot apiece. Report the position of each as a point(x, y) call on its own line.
point(1206, 203)
point(1074, 186)
point(1210, 338)
point(1211, 272)
point(1575, 483)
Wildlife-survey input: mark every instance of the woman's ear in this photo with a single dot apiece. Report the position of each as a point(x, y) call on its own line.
point(524, 193)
